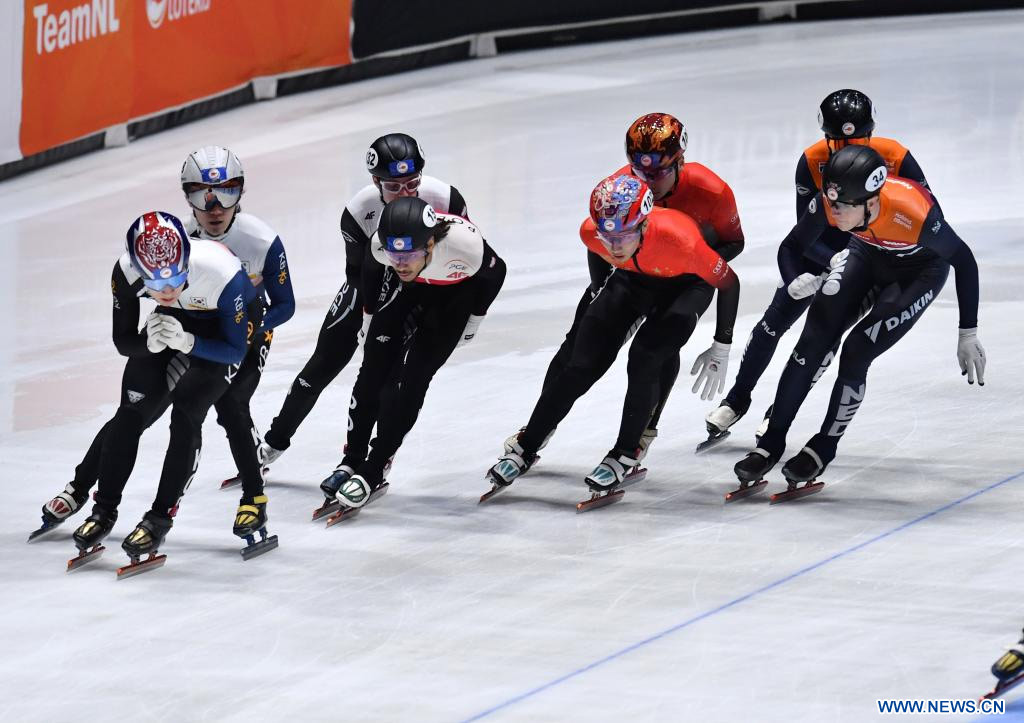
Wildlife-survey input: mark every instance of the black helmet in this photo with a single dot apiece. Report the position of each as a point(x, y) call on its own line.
point(393, 156)
point(853, 175)
point(406, 224)
point(846, 114)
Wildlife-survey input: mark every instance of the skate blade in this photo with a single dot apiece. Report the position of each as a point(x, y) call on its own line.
point(237, 480)
point(796, 493)
point(255, 549)
point(495, 490)
point(635, 475)
point(43, 531)
point(329, 507)
point(1003, 686)
point(600, 499)
point(746, 489)
point(712, 442)
point(138, 567)
point(85, 557)
point(349, 512)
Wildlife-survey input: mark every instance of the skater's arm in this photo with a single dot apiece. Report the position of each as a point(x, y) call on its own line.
point(726, 307)
point(128, 340)
point(726, 235)
point(909, 168)
point(457, 204)
point(804, 240)
point(488, 280)
point(937, 235)
point(277, 281)
point(805, 188)
point(234, 323)
point(356, 243)
point(599, 270)
point(371, 284)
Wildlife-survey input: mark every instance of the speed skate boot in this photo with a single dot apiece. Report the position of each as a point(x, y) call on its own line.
point(90, 534)
point(514, 463)
point(146, 539)
point(1010, 663)
point(614, 469)
point(718, 421)
point(330, 487)
point(269, 455)
point(355, 493)
point(251, 520)
point(59, 509)
point(1009, 670)
point(803, 468)
point(751, 471)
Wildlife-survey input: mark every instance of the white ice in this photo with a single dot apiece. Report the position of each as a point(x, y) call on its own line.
point(900, 580)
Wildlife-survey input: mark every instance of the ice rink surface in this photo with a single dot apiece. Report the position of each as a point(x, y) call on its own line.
point(900, 580)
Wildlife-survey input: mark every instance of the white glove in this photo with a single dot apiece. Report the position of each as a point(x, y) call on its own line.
point(174, 336)
point(971, 355)
point(470, 331)
point(804, 285)
point(154, 322)
point(711, 366)
point(367, 318)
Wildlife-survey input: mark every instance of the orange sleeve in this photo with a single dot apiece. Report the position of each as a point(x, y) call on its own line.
point(711, 267)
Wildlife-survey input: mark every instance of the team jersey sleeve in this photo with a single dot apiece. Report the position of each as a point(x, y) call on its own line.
point(278, 283)
point(356, 243)
point(909, 168)
point(457, 204)
point(234, 325)
point(939, 237)
point(804, 240)
point(805, 188)
point(128, 340)
point(371, 284)
point(711, 267)
point(488, 279)
point(725, 221)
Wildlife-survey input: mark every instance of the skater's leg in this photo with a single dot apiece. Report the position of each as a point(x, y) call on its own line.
point(337, 342)
point(823, 329)
point(895, 313)
point(234, 416)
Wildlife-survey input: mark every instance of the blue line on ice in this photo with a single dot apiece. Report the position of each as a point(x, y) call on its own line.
point(734, 602)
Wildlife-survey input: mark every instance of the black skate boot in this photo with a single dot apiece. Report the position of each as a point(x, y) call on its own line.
point(614, 470)
point(145, 539)
point(90, 534)
point(804, 467)
point(330, 487)
point(59, 509)
point(751, 471)
point(1009, 670)
point(251, 520)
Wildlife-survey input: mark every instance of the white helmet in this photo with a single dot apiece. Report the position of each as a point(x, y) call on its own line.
point(211, 165)
point(218, 177)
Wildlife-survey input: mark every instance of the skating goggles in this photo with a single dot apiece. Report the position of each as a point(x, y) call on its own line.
point(404, 258)
point(396, 187)
point(648, 166)
point(204, 198)
point(170, 282)
point(611, 239)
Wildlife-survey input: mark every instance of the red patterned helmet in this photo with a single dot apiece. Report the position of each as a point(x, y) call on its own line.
point(619, 204)
point(655, 141)
point(159, 249)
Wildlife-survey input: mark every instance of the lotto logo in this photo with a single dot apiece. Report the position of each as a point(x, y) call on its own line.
point(159, 10)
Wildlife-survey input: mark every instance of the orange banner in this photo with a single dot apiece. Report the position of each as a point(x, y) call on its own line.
point(91, 64)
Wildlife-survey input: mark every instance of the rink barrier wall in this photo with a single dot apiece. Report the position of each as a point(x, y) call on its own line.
point(381, 43)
